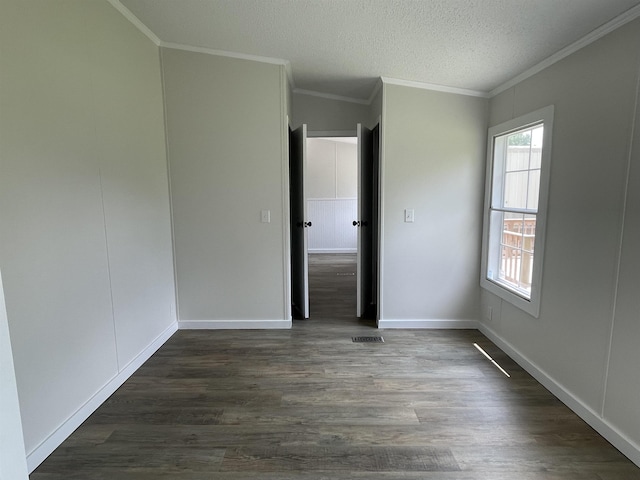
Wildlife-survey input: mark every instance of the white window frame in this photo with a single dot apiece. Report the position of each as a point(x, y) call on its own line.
point(531, 305)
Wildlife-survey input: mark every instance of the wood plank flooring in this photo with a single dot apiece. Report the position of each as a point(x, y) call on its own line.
point(308, 403)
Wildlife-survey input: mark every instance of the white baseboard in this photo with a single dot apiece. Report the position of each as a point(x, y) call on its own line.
point(53, 441)
point(600, 424)
point(233, 324)
point(424, 323)
point(332, 250)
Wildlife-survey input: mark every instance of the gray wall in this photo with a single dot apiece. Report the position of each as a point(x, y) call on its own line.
point(225, 123)
point(433, 162)
point(585, 342)
point(84, 205)
point(13, 463)
point(328, 115)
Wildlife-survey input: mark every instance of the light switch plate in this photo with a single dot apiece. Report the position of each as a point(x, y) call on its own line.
point(409, 215)
point(265, 216)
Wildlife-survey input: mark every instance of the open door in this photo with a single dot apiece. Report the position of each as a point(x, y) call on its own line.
point(299, 225)
point(367, 223)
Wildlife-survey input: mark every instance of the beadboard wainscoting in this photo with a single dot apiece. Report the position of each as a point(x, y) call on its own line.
point(332, 230)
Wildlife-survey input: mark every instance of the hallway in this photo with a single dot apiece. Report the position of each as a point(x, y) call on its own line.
point(332, 289)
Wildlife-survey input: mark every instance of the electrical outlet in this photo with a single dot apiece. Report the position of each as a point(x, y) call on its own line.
point(265, 216)
point(489, 315)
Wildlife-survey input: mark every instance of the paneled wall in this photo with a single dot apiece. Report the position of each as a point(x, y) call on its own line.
point(584, 346)
point(331, 191)
point(85, 250)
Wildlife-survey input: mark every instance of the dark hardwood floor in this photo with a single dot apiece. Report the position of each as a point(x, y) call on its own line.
point(309, 403)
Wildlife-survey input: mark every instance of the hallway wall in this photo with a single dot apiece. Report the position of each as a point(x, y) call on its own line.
point(433, 162)
point(328, 115)
point(225, 121)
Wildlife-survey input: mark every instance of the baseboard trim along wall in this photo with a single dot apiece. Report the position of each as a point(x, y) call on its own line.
point(424, 323)
point(42, 451)
point(233, 324)
point(600, 424)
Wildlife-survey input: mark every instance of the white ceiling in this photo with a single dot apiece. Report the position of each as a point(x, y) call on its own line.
point(341, 47)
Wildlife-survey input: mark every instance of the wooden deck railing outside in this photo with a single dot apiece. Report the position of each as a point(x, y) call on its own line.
point(518, 238)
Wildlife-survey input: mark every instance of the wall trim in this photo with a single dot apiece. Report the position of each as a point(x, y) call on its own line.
point(599, 423)
point(234, 324)
point(223, 53)
point(375, 91)
point(430, 323)
point(53, 441)
point(135, 21)
point(434, 87)
point(596, 34)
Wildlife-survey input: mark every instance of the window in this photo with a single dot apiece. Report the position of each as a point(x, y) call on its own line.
point(515, 208)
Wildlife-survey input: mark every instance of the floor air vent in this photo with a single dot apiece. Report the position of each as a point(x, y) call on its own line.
point(368, 339)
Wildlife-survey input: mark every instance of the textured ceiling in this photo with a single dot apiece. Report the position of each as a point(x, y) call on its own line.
point(341, 47)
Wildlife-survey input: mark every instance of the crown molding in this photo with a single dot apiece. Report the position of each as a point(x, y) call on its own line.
point(596, 34)
point(177, 46)
point(434, 87)
point(222, 53)
point(289, 72)
point(126, 13)
point(331, 96)
point(375, 91)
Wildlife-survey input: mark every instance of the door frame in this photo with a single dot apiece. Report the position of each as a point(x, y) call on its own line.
point(287, 202)
point(380, 233)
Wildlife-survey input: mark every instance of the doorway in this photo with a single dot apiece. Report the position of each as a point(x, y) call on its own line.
point(334, 222)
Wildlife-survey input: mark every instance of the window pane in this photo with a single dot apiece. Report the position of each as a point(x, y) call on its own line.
point(496, 226)
point(510, 266)
point(499, 157)
point(529, 233)
point(517, 158)
point(536, 157)
point(512, 231)
point(526, 272)
point(512, 235)
point(533, 190)
point(537, 136)
point(519, 139)
point(515, 189)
